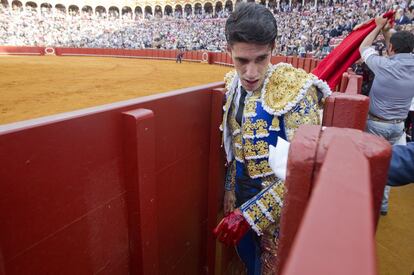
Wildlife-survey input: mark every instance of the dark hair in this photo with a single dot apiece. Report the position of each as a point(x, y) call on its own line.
point(402, 42)
point(251, 23)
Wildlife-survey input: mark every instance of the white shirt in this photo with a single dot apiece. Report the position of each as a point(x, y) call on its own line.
point(238, 95)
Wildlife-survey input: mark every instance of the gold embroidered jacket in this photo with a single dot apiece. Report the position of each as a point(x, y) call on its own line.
point(288, 99)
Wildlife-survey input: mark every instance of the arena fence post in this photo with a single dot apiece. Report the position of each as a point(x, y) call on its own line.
point(139, 152)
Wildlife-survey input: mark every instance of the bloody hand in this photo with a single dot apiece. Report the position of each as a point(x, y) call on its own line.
point(231, 228)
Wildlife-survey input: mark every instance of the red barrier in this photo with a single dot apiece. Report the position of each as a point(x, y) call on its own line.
point(344, 82)
point(210, 58)
point(298, 185)
point(223, 58)
point(341, 202)
point(213, 58)
point(289, 59)
point(346, 111)
point(295, 61)
point(307, 65)
point(306, 156)
point(314, 63)
point(278, 59)
point(301, 63)
point(354, 85)
point(229, 60)
point(140, 185)
point(378, 152)
point(10, 50)
point(72, 184)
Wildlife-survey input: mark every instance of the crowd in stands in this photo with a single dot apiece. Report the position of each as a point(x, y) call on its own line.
point(302, 29)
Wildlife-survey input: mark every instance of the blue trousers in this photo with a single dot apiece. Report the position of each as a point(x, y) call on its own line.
point(248, 248)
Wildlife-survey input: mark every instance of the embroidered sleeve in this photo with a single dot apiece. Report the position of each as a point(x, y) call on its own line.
point(305, 112)
point(265, 208)
point(230, 180)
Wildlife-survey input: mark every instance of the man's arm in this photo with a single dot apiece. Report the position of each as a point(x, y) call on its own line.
point(387, 32)
point(368, 54)
point(380, 23)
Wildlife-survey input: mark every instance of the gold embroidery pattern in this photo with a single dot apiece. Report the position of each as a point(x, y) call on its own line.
point(237, 138)
point(305, 112)
point(272, 201)
point(261, 128)
point(258, 169)
point(269, 180)
point(229, 78)
point(250, 108)
point(248, 128)
point(256, 151)
point(256, 129)
point(249, 149)
point(262, 148)
point(275, 124)
point(283, 87)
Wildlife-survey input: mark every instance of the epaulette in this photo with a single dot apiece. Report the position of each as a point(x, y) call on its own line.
point(285, 86)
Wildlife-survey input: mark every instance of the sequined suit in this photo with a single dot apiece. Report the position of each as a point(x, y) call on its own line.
point(287, 99)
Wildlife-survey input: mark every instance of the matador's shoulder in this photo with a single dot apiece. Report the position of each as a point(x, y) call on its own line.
point(229, 79)
point(285, 86)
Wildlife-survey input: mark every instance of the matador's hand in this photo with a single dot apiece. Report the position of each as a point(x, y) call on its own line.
point(232, 228)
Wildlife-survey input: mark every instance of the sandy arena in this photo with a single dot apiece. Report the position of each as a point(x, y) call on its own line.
point(38, 86)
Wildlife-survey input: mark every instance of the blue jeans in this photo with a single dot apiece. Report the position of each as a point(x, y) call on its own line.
point(394, 133)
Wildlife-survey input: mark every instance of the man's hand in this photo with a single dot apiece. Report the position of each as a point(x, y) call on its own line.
point(229, 202)
point(232, 228)
point(380, 21)
point(387, 27)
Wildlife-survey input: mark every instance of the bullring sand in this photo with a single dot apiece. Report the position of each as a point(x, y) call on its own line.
point(34, 86)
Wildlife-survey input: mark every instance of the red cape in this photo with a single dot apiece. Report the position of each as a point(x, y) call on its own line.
point(331, 68)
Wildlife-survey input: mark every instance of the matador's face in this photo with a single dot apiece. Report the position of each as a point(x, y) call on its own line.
point(251, 62)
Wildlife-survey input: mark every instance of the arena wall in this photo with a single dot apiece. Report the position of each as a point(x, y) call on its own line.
point(220, 58)
point(131, 187)
point(135, 187)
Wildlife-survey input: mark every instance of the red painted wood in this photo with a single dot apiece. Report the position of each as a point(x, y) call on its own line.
point(223, 58)
point(278, 59)
point(67, 175)
point(289, 59)
point(344, 82)
point(301, 63)
point(346, 110)
point(314, 63)
point(295, 61)
point(216, 176)
point(328, 110)
point(21, 50)
point(307, 65)
point(377, 150)
point(298, 186)
point(140, 181)
point(354, 84)
point(341, 202)
point(229, 60)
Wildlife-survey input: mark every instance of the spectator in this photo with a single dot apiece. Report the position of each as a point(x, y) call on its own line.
point(393, 89)
point(401, 171)
point(198, 31)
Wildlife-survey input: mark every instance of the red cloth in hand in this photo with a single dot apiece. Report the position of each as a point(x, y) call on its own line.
point(232, 228)
point(331, 68)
